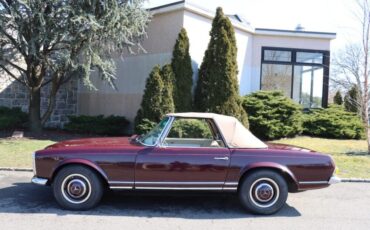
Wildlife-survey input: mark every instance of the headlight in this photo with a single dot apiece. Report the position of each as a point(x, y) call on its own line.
point(34, 163)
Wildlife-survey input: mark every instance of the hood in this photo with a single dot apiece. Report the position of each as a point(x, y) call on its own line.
point(92, 143)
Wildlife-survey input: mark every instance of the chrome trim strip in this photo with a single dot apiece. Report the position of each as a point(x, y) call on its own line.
point(34, 163)
point(181, 188)
point(120, 187)
point(221, 158)
point(120, 182)
point(230, 188)
point(165, 132)
point(180, 183)
point(313, 182)
point(231, 183)
point(39, 181)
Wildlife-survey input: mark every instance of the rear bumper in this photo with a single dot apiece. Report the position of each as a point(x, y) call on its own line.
point(39, 181)
point(308, 185)
point(334, 180)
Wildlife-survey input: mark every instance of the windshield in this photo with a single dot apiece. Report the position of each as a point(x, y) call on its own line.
point(151, 138)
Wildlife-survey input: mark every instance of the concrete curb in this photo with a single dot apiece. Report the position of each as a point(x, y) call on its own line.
point(15, 169)
point(345, 180)
point(358, 180)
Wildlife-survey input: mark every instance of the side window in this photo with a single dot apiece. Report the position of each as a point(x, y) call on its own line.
point(190, 128)
point(191, 132)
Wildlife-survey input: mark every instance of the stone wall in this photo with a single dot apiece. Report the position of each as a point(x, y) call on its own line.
point(14, 94)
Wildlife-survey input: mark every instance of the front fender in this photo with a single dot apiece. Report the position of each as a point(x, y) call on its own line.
point(78, 161)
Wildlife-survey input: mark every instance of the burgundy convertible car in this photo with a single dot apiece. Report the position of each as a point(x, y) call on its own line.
point(223, 155)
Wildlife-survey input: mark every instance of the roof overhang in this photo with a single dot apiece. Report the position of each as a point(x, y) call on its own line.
point(184, 5)
point(295, 33)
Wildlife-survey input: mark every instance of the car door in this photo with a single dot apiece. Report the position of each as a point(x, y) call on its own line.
point(183, 163)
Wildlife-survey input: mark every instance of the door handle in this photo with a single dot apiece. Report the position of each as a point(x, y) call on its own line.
point(221, 158)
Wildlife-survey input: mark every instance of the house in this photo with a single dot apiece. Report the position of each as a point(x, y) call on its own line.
point(293, 61)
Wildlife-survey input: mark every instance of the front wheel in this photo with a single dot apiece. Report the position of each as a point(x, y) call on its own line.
point(263, 192)
point(77, 188)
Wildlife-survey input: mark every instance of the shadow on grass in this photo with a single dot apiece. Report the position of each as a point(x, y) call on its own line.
point(29, 198)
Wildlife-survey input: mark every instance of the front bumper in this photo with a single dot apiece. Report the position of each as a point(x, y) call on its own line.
point(39, 181)
point(334, 180)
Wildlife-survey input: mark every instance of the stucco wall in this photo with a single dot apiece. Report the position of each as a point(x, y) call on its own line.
point(198, 28)
point(260, 41)
point(132, 73)
point(133, 70)
point(162, 32)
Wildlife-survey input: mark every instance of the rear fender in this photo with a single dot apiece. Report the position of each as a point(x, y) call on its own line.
point(269, 165)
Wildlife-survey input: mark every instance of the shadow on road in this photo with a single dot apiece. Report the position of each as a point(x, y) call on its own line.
point(29, 198)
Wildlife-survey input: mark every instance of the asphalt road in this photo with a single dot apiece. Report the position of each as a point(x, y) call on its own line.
point(27, 206)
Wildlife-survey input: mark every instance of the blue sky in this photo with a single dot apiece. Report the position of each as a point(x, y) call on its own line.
point(315, 15)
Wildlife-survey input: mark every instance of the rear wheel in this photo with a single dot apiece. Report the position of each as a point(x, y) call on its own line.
point(263, 192)
point(77, 188)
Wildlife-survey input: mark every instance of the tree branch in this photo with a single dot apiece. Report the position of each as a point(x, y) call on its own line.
point(14, 65)
point(12, 75)
point(13, 41)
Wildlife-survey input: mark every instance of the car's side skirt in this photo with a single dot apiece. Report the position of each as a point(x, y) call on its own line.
point(169, 185)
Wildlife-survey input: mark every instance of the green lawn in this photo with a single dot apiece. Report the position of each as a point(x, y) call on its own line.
point(349, 155)
point(18, 153)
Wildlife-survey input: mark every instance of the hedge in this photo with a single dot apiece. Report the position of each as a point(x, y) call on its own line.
point(272, 115)
point(333, 122)
point(111, 125)
point(144, 126)
point(12, 118)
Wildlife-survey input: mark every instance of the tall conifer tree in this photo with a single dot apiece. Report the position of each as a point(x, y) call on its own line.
point(167, 93)
point(338, 99)
point(351, 100)
point(152, 99)
point(181, 65)
point(217, 88)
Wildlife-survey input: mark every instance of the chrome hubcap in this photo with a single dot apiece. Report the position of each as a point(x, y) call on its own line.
point(76, 188)
point(264, 192)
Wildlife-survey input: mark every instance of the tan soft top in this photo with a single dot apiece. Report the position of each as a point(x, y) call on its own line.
point(234, 132)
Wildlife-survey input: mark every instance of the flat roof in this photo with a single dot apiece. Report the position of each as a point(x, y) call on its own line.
point(197, 115)
point(242, 25)
point(299, 33)
point(166, 5)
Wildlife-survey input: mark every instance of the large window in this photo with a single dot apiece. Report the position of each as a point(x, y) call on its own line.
point(300, 74)
point(277, 76)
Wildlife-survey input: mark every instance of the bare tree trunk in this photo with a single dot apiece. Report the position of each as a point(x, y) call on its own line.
point(52, 98)
point(365, 119)
point(34, 110)
point(367, 130)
